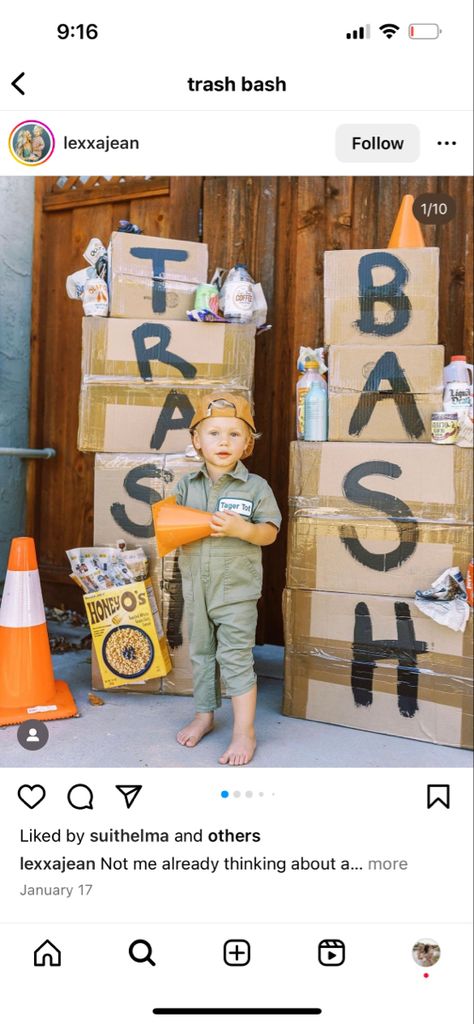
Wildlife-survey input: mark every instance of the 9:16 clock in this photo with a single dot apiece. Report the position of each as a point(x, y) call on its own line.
point(77, 31)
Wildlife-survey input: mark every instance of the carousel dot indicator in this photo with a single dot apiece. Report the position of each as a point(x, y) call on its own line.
point(237, 792)
point(249, 792)
point(224, 793)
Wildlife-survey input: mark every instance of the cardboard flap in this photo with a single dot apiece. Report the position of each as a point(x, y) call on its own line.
point(164, 259)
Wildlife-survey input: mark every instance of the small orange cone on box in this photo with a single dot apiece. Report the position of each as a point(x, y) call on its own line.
point(28, 688)
point(407, 233)
point(176, 525)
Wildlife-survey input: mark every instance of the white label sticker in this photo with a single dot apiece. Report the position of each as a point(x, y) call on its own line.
point(240, 505)
point(40, 708)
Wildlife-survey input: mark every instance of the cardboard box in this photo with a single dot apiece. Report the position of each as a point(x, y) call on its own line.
point(372, 556)
point(350, 479)
point(169, 351)
point(139, 417)
point(384, 392)
point(379, 664)
point(125, 488)
point(128, 640)
point(153, 277)
point(379, 295)
point(377, 518)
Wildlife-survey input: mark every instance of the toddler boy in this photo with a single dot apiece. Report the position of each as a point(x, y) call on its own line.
point(222, 574)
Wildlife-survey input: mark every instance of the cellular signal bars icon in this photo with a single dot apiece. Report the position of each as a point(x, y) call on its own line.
point(359, 33)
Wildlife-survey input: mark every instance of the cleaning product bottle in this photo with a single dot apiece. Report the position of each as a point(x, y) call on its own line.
point(316, 411)
point(457, 377)
point(238, 295)
point(302, 387)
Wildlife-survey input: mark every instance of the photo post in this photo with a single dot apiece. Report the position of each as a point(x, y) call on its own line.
point(236, 530)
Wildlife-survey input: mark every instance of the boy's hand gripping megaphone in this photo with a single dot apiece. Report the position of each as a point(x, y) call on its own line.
point(176, 525)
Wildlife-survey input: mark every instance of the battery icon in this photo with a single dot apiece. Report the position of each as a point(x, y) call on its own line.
point(426, 31)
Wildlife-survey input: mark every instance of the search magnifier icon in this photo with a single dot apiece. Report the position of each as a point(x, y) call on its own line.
point(141, 952)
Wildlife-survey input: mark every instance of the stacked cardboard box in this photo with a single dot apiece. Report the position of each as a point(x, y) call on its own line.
point(374, 518)
point(143, 370)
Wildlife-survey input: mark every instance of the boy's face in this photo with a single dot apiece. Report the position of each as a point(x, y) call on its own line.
point(221, 440)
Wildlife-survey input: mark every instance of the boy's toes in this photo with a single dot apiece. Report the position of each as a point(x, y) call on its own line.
point(195, 731)
point(240, 751)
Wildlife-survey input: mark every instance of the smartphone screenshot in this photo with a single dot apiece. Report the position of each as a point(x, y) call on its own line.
point(236, 509)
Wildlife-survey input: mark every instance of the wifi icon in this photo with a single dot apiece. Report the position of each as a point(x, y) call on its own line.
point(389, 30)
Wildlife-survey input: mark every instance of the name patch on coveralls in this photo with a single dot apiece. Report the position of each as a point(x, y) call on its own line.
point(240, 505)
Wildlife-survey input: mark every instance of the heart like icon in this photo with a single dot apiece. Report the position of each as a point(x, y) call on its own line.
point(31, 795)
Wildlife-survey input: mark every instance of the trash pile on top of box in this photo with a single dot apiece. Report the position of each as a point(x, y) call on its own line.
point(156, 337)
point(377, 514)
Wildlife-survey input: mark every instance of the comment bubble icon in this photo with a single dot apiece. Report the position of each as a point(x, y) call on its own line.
point(80, 797)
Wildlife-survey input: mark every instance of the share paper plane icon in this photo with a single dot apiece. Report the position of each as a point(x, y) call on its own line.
point(129, 793)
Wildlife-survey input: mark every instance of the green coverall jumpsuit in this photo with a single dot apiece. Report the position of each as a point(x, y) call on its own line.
point(222, 582)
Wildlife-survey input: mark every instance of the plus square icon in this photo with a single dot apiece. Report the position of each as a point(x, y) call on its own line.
point(237, 952)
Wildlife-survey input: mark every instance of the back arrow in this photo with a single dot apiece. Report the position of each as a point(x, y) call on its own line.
point(14, 83)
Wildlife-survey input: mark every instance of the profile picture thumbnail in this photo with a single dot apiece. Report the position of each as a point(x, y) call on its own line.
point(426, 953)
point(31, 142)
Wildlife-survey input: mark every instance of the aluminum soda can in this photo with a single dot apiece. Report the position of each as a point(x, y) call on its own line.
point(207, 297)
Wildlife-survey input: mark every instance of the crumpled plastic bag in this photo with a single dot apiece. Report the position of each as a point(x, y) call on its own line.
point(446, 600)
point(465, 438)
point(90, 283)
point(312, 355)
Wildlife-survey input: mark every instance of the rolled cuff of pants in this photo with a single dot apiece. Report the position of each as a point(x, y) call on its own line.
point(235, 641)
point(207, 691)
point(232, 691)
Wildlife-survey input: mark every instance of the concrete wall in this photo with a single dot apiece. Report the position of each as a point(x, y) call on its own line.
point(16, 239)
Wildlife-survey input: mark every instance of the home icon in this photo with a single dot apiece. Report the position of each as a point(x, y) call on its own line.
point(47, 955)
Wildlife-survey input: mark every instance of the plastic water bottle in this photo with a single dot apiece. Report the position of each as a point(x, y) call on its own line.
point(238, 295)
point(303, 386)
point(316, 412)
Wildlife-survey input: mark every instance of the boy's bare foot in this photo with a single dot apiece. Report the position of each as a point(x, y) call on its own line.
point(240, 750)
point(201, 724)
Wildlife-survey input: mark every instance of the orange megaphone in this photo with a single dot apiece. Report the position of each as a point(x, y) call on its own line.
point(407, 233)
point(28, 688)
point(176, 525)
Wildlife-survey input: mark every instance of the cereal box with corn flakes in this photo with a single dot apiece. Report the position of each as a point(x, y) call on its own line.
point(127, 634)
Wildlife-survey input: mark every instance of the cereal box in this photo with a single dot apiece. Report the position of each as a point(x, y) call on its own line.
point(127, 635)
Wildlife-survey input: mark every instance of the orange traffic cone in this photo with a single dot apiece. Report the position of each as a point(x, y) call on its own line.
point(407, 233)
point(28, 688)
point(177, 524)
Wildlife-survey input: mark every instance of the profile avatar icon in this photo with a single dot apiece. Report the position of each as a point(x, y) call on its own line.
point(426, 952)
point(31, 142)
point(32, 735)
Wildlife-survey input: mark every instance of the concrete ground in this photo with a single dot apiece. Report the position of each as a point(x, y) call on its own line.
point(135, 730)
